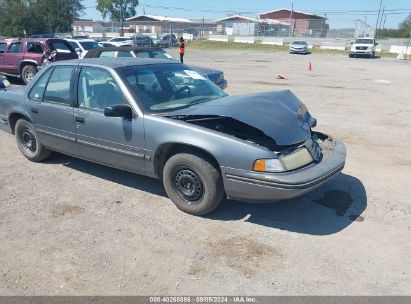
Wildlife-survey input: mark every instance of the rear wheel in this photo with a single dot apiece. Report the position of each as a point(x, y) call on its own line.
point(193, 184)
point(28, 143)
point(27, 73)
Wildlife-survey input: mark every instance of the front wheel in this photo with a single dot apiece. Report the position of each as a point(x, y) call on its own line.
point(28, 73)
point(28, 143)
point(193, 184)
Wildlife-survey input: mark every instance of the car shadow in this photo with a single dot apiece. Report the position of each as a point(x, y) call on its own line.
point(324, 211)
point(15, 80)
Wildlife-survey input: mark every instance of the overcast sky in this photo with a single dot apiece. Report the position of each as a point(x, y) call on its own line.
point(341, 14)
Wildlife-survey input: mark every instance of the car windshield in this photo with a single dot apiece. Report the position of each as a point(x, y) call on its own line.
point(364, 41)
point(299, 42)
point(168, 87)
point(156, 54)
point(88, 45)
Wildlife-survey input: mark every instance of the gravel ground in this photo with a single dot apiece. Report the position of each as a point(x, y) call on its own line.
point(69, 227)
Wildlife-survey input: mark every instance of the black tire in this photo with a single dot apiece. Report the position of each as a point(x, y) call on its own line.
point(28, 72)
point(193, 184)
point(28, 143)
point(351, 55)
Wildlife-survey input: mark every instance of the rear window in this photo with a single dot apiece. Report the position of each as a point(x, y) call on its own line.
point(60, 47)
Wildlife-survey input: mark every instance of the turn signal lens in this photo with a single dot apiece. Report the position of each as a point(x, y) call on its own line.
point(259, 165)
point(268, 165)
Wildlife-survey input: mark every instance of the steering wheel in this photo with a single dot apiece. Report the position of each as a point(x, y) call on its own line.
point(181, 90)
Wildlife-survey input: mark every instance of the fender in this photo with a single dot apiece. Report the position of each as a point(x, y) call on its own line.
point(28, 61)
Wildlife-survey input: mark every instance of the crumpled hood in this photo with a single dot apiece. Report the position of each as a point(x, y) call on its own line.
point(274, 113)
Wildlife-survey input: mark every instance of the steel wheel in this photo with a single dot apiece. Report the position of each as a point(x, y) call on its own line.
point(28, 140)
point(188, 185)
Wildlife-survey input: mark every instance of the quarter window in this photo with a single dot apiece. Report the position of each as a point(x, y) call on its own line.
point(58, 87)
point(15, 47)
point(2, 47)
point(37, 91)
point(97, 90)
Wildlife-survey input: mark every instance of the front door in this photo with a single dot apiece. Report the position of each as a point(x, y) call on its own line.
point(109, 140)
point(13, 57)
point(52, 111)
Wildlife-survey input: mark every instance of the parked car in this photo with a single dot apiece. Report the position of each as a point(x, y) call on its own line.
point(142, 41)
point(164, 120)
point(82, 46)
point(214, 75)
point(119, 41)
point(299, 47)
point(24, 57)
point(363, 47)
point(168, 40)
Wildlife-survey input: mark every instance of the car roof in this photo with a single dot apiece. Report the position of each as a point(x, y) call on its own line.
point(80, 40)
point(116, 62)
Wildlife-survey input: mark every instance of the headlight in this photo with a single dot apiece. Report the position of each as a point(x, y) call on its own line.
point(268, 165)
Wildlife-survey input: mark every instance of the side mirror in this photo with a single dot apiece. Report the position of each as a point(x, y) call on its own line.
point(78, 50)
point(4, 83)
point(376, 43)
point(352, 42)
point(119, 110)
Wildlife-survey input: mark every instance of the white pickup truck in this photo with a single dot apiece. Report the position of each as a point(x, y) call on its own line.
point(363, 47)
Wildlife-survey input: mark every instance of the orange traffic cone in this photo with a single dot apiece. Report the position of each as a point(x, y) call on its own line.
point(310, 67)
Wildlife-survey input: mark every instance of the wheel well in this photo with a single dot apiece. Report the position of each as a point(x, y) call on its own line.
point(23, 64)
point(166, 151)
point(13, 120)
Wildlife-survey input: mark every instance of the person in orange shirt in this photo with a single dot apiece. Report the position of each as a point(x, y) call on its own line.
point(182, 49)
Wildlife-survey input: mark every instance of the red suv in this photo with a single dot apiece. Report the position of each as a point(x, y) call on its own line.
point(25, 57)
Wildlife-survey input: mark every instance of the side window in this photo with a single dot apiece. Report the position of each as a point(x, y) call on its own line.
point(97, 89)
point(58, 87)
point(74, 44)
point(143, 54)
point(15, 47)
point(2, 47)
point(34, 47)
point(124, 54)
point(109, 54)
point(37, 90)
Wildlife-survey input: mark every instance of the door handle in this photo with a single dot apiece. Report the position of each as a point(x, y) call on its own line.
point(34, 110)
point(80, 120)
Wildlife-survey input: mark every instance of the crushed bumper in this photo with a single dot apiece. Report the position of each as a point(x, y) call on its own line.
point(259, 187)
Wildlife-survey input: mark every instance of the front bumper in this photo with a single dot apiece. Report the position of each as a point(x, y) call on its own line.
point(298, 51)
point(259, 187)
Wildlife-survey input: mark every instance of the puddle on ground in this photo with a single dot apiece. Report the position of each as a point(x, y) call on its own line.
point(338, 200)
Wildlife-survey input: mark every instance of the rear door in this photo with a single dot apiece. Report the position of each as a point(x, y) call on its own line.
point(51, 109)
point(13, 57)
point(109, 140)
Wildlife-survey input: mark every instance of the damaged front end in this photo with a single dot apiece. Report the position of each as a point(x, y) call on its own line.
point(276, 121)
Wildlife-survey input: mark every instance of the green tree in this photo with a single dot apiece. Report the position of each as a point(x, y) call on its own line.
point(18, 17)
point(118, 10)
point(405, 26)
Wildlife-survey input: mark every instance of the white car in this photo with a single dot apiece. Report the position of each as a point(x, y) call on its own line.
point(82, 46)
point(119, 41)
point(299, 47)
point(363, 47)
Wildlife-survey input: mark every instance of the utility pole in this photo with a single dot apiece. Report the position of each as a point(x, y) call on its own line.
point(382, 16)
point(291, 16)
point(378, 18)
